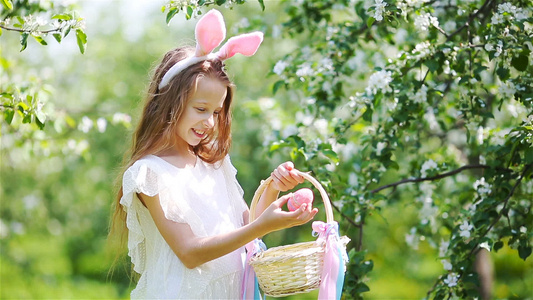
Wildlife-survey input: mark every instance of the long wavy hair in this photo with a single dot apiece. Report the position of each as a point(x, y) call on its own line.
point(157, 127)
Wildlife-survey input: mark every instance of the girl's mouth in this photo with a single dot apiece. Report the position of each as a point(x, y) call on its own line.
point(199, 133)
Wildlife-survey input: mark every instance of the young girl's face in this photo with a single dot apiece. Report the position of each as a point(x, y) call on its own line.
point(201, 112)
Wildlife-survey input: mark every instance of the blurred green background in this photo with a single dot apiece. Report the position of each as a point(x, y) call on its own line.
point(57, 193)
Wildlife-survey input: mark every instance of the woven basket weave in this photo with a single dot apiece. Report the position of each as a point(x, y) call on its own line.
point(292, 269)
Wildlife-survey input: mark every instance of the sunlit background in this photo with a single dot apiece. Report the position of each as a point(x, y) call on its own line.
point(57, 186)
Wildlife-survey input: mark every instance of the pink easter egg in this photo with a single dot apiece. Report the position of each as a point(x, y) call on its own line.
point(300, 197)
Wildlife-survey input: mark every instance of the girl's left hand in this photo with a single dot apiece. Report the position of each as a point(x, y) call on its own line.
point(285, 177)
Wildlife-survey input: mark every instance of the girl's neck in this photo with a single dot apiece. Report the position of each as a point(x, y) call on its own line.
point(179, 157)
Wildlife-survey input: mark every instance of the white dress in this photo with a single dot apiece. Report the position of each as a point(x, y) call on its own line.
point(208, 198)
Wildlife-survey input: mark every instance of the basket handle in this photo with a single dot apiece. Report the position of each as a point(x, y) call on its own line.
point(316, 184)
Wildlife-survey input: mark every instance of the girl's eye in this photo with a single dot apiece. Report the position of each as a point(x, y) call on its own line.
point(216, 113)
point(200, 109)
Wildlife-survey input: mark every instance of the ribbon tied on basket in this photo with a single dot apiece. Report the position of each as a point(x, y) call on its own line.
point(332, 279)
point(250, 286)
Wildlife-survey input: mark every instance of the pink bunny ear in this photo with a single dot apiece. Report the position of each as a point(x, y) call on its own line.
point(210, 32)
point(245, 44)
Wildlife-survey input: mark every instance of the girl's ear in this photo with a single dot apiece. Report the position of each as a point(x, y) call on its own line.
point(245, 44)
point(210, 32)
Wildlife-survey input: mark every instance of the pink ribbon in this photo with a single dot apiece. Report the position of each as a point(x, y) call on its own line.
point(332, 278)
point(250, 286)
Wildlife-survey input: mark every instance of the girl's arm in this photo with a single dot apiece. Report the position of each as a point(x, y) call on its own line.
point(194, 251)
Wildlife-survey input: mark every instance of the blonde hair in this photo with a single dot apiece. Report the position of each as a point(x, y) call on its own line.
point(163, 109)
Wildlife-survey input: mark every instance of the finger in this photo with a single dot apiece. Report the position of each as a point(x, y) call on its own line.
point(281, 179)
point(288, 165)
point(283, 199)
point(289, 178)
point(295, 174)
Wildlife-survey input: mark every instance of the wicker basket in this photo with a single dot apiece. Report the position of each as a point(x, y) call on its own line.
point(292, 269)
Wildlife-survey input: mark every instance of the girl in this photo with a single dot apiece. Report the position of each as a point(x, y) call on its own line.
point(180, 201)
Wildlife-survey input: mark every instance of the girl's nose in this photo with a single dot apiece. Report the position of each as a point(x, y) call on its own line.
point(210, 122)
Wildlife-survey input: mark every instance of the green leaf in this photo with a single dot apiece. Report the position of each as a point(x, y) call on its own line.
point(528, 156)
point(497, 246)
point(0, 31)
point(520, 62)
point(22, 107)
point(370, 21)
point(277, 85)
point(27, 119)
point(40, 40)
point(57, 36)
point(220, 2)
point(190, 12)
point(24, 40)
point(8, 115)
point(524, 251)
point(503, 73)
point(171, 13)
point(81, 38)
point(40, 119)
point(7, 4)
point(367, 115)
point(262, 5)
point(66, 17)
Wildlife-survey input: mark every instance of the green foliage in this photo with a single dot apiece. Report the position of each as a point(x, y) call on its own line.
point(38, 20)
point(445, 103)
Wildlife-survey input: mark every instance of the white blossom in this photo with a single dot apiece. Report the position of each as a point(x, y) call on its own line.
point(326, 65)
point(443, 248)
point(290, 130)
point(380, 80)
point(121, 118)
point(447, 265)
point(465, 229)
point(424, 20)
point(422, 50)
point(322, 126)
point(507, 90)
point(412, 239)
point(479, 135)
point(427, 165)
point(415, 3)
point(482, 187)
point(304, 69)
point(101, 124)
point(499, 49)
point(379, 9)
point(485, 245)
point(280, 67)
point(523, 229)
point(421, 95)
point(86, 124)
point(379, 147)
point(452, 279)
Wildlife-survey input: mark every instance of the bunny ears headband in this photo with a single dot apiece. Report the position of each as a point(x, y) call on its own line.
point(210, 32)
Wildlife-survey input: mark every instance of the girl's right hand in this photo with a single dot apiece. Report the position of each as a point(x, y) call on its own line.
point(274, 218)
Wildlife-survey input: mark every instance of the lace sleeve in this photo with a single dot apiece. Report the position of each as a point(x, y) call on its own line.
point(149, 177)
point(136, 179)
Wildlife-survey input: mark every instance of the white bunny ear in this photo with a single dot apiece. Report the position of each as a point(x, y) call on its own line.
point(245, 44)
point(210, 32)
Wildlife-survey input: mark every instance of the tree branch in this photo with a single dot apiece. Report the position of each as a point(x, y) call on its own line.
point(350, 220)
point(30, 31)
point(470, 19)
point(436, 177)
point(505, 202)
